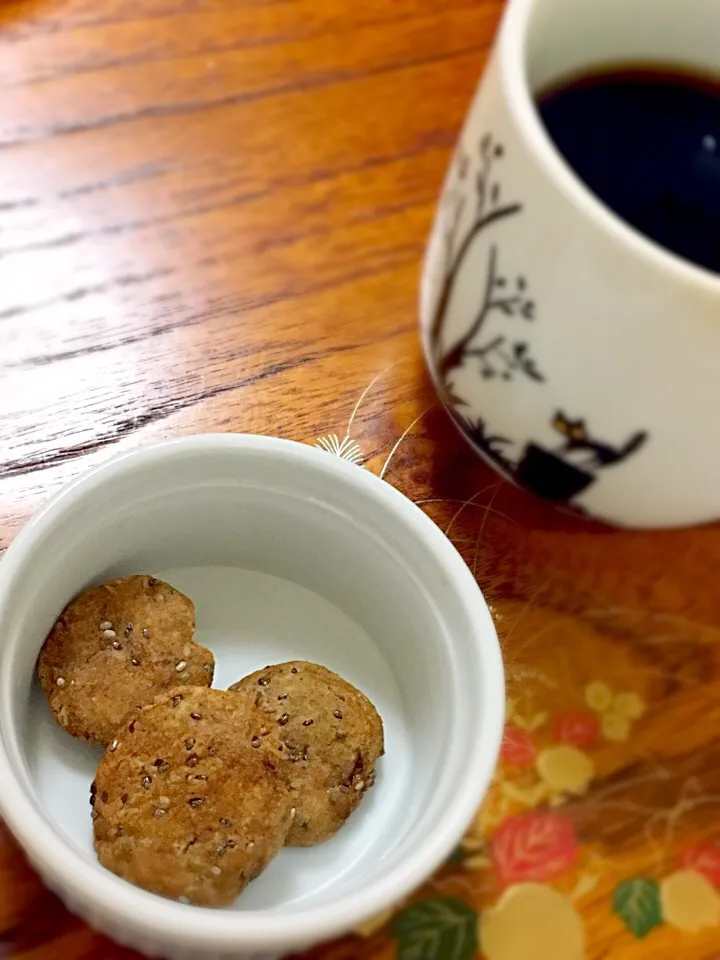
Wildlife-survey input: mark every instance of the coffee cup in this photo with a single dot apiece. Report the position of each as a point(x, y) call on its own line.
point(578, 356)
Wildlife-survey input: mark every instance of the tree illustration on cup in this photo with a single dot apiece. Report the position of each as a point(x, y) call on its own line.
point(558, 474)
point(502, 355)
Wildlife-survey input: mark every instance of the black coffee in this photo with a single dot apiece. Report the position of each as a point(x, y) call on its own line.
point(647, 142)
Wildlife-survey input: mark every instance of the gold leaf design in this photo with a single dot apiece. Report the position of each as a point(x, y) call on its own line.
point(345, 449)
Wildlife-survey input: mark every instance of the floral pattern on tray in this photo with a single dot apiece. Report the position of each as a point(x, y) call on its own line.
point(586, 818)
point(600, 835)
point(516, 886)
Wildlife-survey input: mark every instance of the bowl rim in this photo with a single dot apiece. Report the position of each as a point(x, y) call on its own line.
point(114, 900)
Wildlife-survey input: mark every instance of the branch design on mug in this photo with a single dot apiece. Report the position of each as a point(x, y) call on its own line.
point(499, 356)
point(494, 446)
point(492, 345)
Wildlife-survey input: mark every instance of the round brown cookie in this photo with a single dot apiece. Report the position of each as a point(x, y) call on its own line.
point(190, 800)
point(114, 648)
point(332, 734)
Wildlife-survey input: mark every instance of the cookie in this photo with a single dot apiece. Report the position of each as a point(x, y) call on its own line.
point(114, 648)
point(190, 800)
point(332, 735)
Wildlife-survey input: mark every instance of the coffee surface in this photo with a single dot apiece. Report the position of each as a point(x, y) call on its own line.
point(646, 140)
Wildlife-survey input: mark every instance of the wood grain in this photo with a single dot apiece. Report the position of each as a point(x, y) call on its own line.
point(212, 218)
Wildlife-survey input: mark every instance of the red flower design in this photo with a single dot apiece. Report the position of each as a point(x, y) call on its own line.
point(577, 727)
point(705, 858)
point(517, 747)
point(533, 846)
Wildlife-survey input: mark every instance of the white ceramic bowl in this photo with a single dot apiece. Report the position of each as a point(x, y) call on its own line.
point(287, 553)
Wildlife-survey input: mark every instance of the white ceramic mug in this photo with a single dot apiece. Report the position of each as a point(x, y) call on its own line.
point(578, 356)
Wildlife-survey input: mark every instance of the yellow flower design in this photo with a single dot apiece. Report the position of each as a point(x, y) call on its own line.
point(616, 727)
point(532, 921)
point(565, 769)
point(598, 696)
point(689, 901)
point(617, 710)
point(526, 796)
point(630, 705)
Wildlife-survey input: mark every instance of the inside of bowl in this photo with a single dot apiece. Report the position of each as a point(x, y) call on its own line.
point(280, 566)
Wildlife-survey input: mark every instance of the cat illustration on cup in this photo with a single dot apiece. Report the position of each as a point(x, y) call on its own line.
point(601, 454)
point(561, 473)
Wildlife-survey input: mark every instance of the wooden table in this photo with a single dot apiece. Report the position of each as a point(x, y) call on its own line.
point(212, 215)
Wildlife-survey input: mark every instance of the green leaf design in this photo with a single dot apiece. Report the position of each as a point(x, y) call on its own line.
point(442, 929)
point(637, 902)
